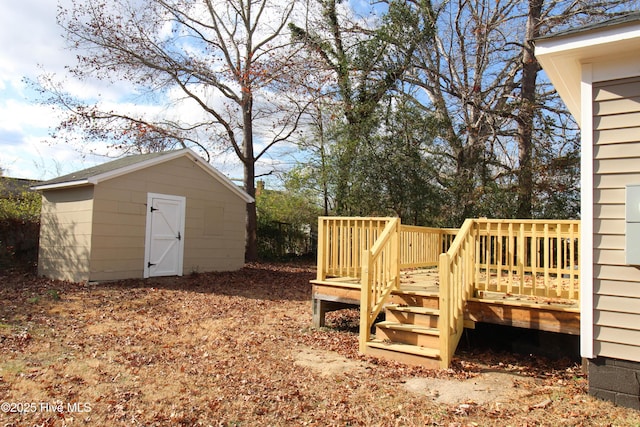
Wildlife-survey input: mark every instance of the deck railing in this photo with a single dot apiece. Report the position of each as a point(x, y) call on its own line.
point(422, 246)
point(456, 271)
point(380, 275)
point(528, 257)
point(342, 240)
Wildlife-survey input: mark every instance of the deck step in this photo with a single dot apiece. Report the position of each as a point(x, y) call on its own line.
point(416, 329)
point(421, 316)
point(405, 353)
point(422, 336)
point(414, 309)
point(416, 299)
point(417, 290)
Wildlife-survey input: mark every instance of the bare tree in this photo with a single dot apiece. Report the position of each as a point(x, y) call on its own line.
point(481, 79)
point(468, 80)
point(220, 61)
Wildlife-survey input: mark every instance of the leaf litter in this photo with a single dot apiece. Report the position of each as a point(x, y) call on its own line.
point(237, 349)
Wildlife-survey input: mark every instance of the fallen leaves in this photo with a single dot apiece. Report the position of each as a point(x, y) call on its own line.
point(225, 348)
point(543, 405)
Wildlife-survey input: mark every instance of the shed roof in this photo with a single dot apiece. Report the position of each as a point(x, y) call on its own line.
point(96, 174)
point(14, 186)
point(563, 54)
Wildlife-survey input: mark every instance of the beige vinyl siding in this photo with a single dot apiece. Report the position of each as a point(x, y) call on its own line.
point(616, 164)
point(617, 136)
point(119, 229)
point(65, 234)
point(213, 242)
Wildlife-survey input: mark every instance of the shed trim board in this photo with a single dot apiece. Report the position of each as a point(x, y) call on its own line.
point(164, 235)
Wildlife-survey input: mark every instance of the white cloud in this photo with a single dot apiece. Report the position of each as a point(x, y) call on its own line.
point(29, 35)
point(32, 44)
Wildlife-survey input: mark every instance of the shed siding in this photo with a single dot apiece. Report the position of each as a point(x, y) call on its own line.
point(616, 123)
point(65, 234)
point(120, 216)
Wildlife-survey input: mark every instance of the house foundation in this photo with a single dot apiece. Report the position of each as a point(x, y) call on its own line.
point(615, 380)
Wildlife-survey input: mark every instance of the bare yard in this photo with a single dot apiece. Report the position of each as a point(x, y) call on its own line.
point(236, 349)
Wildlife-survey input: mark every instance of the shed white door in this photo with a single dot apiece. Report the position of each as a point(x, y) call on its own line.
point(164, 248)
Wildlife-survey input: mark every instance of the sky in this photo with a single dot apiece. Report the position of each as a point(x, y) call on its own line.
point(32, 44)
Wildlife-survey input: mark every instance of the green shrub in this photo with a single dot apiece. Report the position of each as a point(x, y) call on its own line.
point(19, 229)
point(22, 207)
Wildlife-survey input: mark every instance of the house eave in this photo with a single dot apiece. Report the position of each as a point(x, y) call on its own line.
point(562, 57)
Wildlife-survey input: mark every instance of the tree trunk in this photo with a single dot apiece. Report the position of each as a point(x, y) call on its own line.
point(530, 68)
point(251, 247)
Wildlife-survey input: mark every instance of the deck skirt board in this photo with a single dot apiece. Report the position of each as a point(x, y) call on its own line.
point(540, 318)
point(529, 305)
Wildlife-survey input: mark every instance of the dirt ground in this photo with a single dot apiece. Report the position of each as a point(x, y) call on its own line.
point(237, 349)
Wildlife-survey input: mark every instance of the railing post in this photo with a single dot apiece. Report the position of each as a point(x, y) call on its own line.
point(365, 301)
point(395, 256)
point(444, 323)
point(321, 273)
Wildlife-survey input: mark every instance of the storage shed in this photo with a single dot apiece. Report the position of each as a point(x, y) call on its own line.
point(157, 214)
point(596, 71)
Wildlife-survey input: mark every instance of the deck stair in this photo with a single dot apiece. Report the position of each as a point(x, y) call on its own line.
point(409, 333)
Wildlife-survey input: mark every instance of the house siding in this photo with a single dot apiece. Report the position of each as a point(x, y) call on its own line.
point(616, 138)
point(212, 242)
point(65, 234)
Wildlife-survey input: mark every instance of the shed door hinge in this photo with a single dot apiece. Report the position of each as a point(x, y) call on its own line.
point(149, 264)
point(179, 236)
point(154, 209)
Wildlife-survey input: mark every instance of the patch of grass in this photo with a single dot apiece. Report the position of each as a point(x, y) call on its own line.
point(53, 294)
point(13, 367)
point(50, 294)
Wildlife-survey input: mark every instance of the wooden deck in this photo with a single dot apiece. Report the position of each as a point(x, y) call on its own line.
point(432, 283)
point(523, 311)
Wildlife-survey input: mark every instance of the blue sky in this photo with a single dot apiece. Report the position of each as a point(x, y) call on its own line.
point(30, 42)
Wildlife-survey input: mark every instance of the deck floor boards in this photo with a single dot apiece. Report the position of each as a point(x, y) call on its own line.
point(529, 311)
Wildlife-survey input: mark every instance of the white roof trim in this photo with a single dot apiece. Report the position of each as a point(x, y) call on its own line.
point(60, 185)
point(96, 179)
